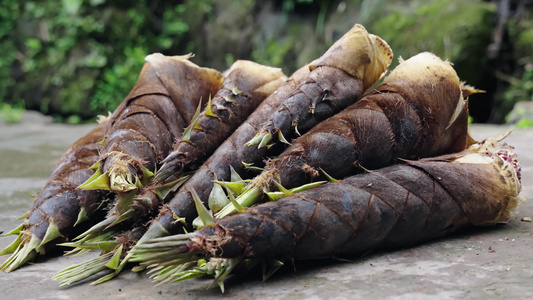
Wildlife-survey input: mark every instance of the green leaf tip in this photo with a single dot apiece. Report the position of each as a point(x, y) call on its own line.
point(217, 198)
point(282, 189)
point(269, 267)
point(296, 130)
point(186, 136)
point(307, 186)
point(95, 231)
point(98, 181)
point(225, 270)
point(115, 260)
point(24, 216)
point(330, 178)
point(15, 231)
point(267, 137)
point(192, 267)
point(52, 233)
point(234, 177)
point(127, 215)
point(177, 219)
point(274, 196)
point(208, 111)
point(163, 190)
point(251, 167)
point(203, 213)
point(99, 246)
point(82, 216)
point(281, 138)
point(27, 249)
point(234, 202)
point(83, 270)
point(247, 199)
point(11, 248)
point(105, 278)
point(233, 187)
point(260, 139)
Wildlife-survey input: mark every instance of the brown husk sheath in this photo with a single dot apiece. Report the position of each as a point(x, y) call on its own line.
point(418, 111)
point(395, 206)
point(351, 66)
point(151, 119)
point(60, 205)
point(246, 85)
point(370, 56)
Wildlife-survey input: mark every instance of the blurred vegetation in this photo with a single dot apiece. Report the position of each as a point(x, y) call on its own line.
point(11, 114)
point(489, 51)
point(74, 59)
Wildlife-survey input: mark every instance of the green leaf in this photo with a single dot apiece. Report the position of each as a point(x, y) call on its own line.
point(203, 213)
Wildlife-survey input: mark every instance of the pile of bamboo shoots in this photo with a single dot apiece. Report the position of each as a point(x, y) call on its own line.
point(198, 172)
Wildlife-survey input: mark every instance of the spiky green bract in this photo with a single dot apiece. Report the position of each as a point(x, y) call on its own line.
point(27, 248)
point(103, 236)
point(352, 65)
point(205, 216)
point(102, 242)
point(15, 231)
point(174, 258)
point(245, 87)
point(261, 139)
point(107, 242)
point(27, 245)
point(163, 190)
point(95, 231)
point(155, 232)
point(247, 199)
point(219, 268)
point(97, 181)
point(130, 206)
point(12, 247)
point(217, 198)
point(163, 250)
point(269, 267)
point(273, 196)
point(168, 169)
point(117, 244)
point(254, 195)
point(59, 205)
point(84, 270)
point(120, 212)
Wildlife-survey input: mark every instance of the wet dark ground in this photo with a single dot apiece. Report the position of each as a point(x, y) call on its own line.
point(479, 263)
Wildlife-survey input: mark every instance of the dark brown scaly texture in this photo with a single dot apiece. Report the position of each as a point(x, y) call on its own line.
point(72, 170)
point(140, 135)
point(143, 129)
point(337, 79)
point(351, 65)
point(153, 116)
point(60, 202)
point(232, 152)
point(228, 153)
point(246, 85)
point(405, 117)
point(390, 207)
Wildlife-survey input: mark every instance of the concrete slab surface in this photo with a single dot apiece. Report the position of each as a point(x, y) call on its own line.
point(478, 263)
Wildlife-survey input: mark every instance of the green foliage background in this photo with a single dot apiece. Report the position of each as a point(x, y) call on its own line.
point(75, 59)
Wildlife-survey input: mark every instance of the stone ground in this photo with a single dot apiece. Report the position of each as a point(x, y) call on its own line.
point(478, 263)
